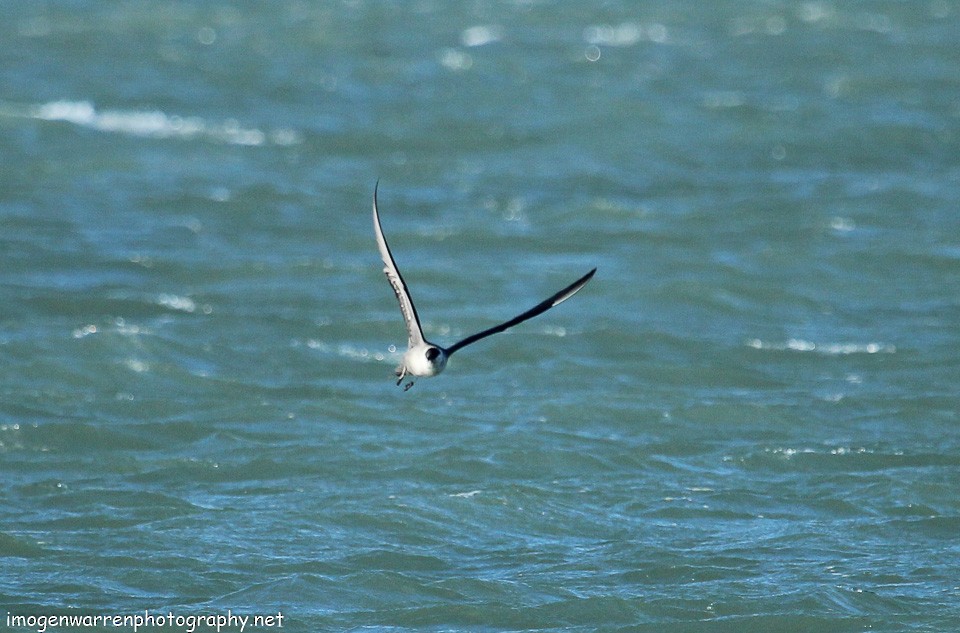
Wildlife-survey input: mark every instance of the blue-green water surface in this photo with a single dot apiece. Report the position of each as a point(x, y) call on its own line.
point(747, 421)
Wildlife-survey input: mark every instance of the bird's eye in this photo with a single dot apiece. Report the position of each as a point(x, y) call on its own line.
point(432, 353)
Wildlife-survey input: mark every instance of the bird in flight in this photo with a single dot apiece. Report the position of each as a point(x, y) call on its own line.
point(422, 357)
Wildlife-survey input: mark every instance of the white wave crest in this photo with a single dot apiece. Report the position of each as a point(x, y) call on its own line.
point(830, 349)
point(157, 124)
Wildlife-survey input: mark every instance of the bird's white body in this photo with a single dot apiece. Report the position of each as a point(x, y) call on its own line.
point(418, 362)
point(422, 357)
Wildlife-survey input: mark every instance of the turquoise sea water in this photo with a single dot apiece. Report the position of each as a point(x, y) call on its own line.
point(747, 421)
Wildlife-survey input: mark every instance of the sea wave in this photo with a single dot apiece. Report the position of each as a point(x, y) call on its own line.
point(829, 349)
point(158, 124)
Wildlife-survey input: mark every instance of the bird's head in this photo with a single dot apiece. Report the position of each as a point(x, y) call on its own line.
point(436, 358)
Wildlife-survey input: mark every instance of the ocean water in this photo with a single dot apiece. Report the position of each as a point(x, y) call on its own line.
point(747, 421)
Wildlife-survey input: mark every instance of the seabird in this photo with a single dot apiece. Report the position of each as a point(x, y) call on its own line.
point(422, 357)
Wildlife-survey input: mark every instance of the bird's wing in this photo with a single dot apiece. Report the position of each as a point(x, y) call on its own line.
point(414, 332)
point(540, 308)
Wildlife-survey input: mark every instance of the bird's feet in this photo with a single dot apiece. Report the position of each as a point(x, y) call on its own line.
point(401, 373)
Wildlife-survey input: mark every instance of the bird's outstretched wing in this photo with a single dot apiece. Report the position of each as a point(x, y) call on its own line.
point(540, 308)
point(414, 331)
